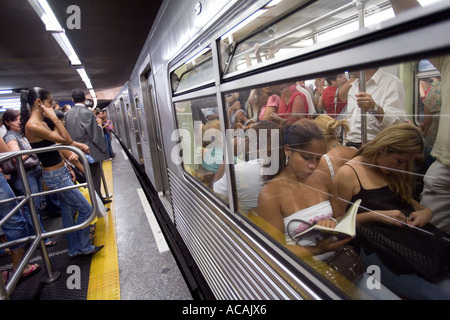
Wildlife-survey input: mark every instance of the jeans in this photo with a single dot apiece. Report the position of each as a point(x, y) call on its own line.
point(15, 227)
point(78, 241)
point(35, 183)
point(108, 145)
point(409, 285)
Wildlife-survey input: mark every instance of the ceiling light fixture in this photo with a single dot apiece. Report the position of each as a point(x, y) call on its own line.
point(52, 25)
point(46, 14)
point(65, 44)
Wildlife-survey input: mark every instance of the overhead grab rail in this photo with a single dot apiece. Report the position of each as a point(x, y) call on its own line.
point(37, 240)
point(303, 26)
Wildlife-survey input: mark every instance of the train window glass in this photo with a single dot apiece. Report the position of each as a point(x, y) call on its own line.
point(196, 72)
point(265, 38)
point(275, 193)
point(201, 144)
point(130, 117)
point(141, 119)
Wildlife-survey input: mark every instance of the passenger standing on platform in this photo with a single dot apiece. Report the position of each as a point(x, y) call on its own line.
point(82, 126)
point(107, 128)
point(55, 173)
point(15, 227)
point(16, 141)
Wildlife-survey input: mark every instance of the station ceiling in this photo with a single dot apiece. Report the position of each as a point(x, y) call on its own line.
point(109, 41)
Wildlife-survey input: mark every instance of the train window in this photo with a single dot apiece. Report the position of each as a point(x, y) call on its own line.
point(196, 72)
point(276, 193)
point(201, 143)
point(264, 38)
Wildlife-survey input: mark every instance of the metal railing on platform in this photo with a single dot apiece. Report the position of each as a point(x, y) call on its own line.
point(37, 241)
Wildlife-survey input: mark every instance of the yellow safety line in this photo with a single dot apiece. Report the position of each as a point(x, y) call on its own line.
point(104, 282)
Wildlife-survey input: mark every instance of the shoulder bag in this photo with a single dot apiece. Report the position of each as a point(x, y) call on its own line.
point(10, 166)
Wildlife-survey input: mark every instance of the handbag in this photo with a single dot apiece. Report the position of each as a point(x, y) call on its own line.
point(10, 166)
point(345, 261)
point(408, 250)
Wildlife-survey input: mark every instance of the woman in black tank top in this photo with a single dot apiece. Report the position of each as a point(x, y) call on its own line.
point(56, 175)
point(392, 228)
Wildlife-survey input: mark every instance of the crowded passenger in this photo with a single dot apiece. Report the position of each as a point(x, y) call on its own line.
point(271, 105)
point(15, 140)
point(107, 129)
point(294, 103)
point(380, 175)
point(432, 108)
point(436, 190)
point(82, 126)
point(256, 101)
point(383, 101)
point(55, 173)
point(300, 192)
point(337, 154)
point(247, 173)
point(335, 95)
point(14, 228)
point(66, 108)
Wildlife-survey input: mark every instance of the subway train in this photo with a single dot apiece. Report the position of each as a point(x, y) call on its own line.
point(177, 119)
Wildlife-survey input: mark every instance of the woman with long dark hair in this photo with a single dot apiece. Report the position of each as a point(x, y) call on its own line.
point(36, 104)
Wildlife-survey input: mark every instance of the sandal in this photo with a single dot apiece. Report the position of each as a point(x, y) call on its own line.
point(50, 243)
point(33, 269)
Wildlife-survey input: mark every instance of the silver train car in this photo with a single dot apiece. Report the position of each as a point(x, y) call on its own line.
point(201, 54)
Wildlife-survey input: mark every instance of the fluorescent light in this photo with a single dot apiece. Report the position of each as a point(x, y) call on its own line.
point(88, 84)
point(46, 14)
point(83, 74)
point(10, 103)
point(6, 91)
point(65, 44)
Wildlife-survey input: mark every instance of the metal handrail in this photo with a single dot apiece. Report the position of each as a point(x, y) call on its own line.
point(37, 240)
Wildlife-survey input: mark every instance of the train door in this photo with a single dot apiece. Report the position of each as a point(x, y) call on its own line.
point(140, 129)
point(158, 159)
point(120, 125)
point(135, 143)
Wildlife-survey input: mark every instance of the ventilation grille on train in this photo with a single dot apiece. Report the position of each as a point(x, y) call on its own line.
point(232, 269)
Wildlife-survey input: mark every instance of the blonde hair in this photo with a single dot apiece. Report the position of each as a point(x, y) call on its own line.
point(331, 127)
point(400, 138)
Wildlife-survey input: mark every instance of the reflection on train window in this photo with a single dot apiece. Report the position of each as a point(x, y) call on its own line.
point(201, 138)
point(130, 117)
point(297, 33)
point(280, 177)
point(141, 118)
point(196, 72)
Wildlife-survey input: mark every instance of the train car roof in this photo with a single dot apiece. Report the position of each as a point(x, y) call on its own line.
point(108, 42)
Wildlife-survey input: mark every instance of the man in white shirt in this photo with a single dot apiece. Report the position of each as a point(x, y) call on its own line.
point(383, 101)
